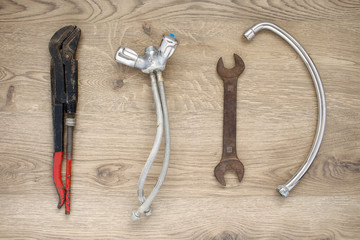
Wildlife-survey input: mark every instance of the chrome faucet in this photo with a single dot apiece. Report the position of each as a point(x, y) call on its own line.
point(153, 60)
point(153, 63)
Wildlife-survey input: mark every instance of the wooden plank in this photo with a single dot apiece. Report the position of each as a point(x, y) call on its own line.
point(185, 218)
point(277, 116)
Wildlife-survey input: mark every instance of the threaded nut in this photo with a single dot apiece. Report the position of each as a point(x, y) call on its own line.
point(283, 190)
point(135, 215)
point(148, 212)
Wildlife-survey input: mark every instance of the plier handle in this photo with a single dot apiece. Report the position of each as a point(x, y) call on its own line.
point(64, 91)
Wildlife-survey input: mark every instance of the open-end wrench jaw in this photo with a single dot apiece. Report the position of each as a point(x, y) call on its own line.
point(228, 165)
point(233, 72)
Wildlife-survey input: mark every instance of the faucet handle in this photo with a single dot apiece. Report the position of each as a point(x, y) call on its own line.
point(167, 46)
point(126, 56)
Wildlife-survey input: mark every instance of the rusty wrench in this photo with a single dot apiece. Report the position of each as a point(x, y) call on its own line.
point(229, 159)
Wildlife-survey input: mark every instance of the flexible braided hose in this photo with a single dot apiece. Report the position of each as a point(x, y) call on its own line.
point(145, 207)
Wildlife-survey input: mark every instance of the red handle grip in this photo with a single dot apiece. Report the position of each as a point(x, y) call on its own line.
point(57, 163)
point(68, 183)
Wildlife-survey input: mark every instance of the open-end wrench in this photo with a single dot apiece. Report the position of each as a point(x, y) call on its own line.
point(229, 159)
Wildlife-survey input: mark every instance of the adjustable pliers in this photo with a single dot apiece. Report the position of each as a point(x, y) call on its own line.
point(64, 91)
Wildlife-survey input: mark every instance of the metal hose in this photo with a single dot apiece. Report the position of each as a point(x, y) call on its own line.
point(284, 189)
point(146, 203)
point(157, 141)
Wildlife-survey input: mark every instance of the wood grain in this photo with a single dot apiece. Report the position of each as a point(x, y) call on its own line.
point(277, 117)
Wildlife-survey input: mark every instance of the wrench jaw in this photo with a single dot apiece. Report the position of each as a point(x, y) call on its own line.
point(232, 72)
point(227, 165)
point(58, 38)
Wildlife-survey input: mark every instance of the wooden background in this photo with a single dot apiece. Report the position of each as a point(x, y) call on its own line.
point(277, 116)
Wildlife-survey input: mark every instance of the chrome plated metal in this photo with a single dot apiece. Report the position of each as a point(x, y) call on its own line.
point(284, 189)
point(153, 59)
point(153, 62)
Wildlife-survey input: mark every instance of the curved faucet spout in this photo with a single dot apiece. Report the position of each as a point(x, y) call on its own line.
point(249, 34)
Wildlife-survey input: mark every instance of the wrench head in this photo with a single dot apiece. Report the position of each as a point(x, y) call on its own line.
point(59, 37)
point(233, 72)
point(228, 165)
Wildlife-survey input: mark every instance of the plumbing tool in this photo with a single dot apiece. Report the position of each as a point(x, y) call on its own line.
point(284, 189)
point(153, 63)
point(229, 159)
point(64, 91)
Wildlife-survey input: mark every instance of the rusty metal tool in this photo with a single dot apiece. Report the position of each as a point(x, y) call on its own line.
point(64, 91)
point(229, 159)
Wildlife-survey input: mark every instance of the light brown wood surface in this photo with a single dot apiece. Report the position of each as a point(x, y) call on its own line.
point(276, 121)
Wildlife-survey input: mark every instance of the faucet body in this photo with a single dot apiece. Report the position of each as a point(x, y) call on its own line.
point(154, 58)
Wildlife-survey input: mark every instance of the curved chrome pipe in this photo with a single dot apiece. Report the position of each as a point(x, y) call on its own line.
point(284, 189)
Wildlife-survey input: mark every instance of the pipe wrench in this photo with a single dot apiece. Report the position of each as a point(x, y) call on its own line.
point(64, 91)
